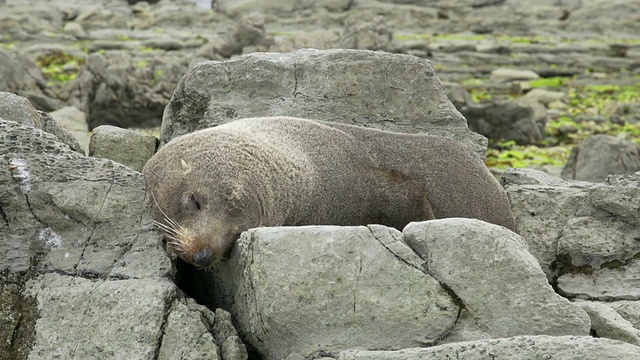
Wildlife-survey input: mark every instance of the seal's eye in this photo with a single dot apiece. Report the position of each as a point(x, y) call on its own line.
point(193, 202)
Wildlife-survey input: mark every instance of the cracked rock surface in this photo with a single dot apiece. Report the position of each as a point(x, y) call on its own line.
point(348, 291)
point(499, 282)
point(82, 272)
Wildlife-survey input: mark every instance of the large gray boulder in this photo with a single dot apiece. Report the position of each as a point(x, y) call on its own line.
point(389, 91)
point(84, 274)
point(522, 120)
point(519, 120)
point(326, 288)
point(472, 280)
point(491, 271)
point(580, 231)
point(128, 147)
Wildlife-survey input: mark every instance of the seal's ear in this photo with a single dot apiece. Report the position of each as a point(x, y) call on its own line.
point(185, 167)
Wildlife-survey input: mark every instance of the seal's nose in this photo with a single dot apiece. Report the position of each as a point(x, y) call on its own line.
point(203, 258)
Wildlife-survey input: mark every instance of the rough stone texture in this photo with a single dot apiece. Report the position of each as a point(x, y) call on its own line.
point(402, 93)
point(82, 272)
point(17, 108)
point(607, 323)
point(223, 328)
point(126, 147)
point(248, 31)
point(18, 314)
point(74, 121)
point(46, 188)
point(614, 281)
point(600, 155)
point(466, 329)
point(81, 318)
point(499, 282)
point(514, 348)
point(233, 348)
point(187, 336)
point(51, 126)
point(340, 296)
point(574, 227)
point(629, 310)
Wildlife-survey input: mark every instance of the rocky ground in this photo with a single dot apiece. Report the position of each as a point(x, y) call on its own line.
point(537, 79)
point(118, 62)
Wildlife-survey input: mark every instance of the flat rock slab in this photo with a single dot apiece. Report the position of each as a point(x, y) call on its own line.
point(515, 348)
point(606, 322)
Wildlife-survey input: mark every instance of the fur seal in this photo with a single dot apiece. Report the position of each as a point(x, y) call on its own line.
point(456, 180)
point(210, 185)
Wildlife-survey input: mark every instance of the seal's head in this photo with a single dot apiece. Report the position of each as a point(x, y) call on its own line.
point(201, 206)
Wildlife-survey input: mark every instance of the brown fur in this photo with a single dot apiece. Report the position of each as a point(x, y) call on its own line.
point(456, 181)
point(210, 185)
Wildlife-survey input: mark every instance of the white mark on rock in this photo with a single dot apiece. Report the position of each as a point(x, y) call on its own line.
point(52, 239)
point(21, 173)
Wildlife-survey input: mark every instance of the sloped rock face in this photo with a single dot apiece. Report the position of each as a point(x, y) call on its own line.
point(19, 74)
point(359, 87)
point(19, 109)
point(83, 273)
point(66, 208)
point(492, 272)
point(60, 212)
